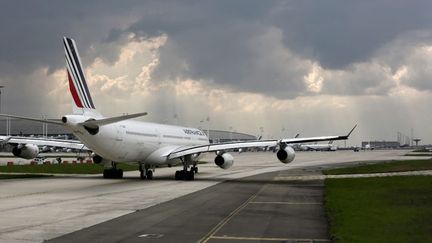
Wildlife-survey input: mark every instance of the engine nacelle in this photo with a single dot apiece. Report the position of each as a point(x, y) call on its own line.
point(224, 160)
point(26, 151)
point(46, 149)
point(286, 155)
point(97, 159)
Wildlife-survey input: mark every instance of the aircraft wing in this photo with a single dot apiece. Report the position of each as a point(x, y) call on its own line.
point(180, 152)
point(183, 151)
point(62, 143)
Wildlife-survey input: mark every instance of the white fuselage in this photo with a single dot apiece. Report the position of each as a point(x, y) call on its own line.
point(142, 142)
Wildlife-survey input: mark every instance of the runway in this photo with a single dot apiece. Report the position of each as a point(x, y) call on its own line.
point(40, 209)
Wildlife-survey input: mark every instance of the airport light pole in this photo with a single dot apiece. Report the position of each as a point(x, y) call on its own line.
point(7, 125)
point(208, 127)
point(175, 116)
point(201, 125)
point(1, 87)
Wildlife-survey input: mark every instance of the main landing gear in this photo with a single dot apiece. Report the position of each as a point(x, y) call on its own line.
point(113, 173)
point(145, 173)
point(185, 174)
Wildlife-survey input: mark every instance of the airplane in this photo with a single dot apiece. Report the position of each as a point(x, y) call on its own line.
point(121, 139)
point(319, 147)
point(30, 147)
point(368, 147)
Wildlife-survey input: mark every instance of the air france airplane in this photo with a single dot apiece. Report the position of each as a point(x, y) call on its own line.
point(121, 139)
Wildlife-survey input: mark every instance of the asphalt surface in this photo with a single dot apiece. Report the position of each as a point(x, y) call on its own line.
point(256, 208)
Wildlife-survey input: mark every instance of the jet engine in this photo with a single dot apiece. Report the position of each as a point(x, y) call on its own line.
point(286, 155)
point(46, 149)
point(224, 160)
point(26, 151)
point(97, 159)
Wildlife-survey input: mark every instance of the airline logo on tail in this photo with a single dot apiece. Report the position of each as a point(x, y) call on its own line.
point(77, 82)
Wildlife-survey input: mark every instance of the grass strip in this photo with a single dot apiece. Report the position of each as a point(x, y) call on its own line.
point(381, 209)
point(63, 168)
point(15, 176)
point(391, 166)
point(420, 155)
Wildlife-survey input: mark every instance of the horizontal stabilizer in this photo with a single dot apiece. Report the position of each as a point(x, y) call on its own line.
point(105, 121)
point(32, 119)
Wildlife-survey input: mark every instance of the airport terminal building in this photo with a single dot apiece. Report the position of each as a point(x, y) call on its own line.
point(381, 144)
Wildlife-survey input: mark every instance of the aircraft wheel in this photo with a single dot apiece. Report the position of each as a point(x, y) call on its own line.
point(106, 174)
point(142, 175)
point(149, 174)
point(189, 175)
point(119, 173)
point(178, 175)
point(111, 173)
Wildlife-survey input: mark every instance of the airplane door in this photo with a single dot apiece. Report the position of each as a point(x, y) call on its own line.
point(121, 130)
point(158, 138)
point(120, 133)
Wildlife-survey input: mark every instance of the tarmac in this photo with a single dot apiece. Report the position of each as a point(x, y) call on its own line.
point(218, 205)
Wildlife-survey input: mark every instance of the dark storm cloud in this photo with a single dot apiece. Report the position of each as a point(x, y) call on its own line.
point(31, 33)
point(257, 46)
point(32, 30)
point(214, 40)
point(339, 33)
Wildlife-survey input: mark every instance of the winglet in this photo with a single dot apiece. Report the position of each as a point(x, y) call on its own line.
point(352, 130)
point(347, 136)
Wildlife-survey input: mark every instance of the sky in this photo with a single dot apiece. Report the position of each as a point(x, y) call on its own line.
point(273, 67)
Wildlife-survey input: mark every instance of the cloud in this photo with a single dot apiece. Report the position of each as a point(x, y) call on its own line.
point(340, 33)
point(310, 67)
point(284, 49)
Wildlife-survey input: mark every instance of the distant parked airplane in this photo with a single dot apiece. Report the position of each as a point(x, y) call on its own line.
point(319, 147)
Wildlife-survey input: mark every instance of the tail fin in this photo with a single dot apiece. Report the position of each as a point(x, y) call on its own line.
point(77, 81)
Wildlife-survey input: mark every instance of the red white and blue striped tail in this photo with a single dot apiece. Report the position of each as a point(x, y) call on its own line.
point(76, 77)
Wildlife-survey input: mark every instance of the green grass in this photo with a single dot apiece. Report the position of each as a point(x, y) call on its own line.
point(14, 176)
point(391, 166)
point(63, 168)
point(386, 209)
point(421, 150)
point(417, 154)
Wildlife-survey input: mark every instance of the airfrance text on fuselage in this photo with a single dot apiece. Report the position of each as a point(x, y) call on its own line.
point(193, 132)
